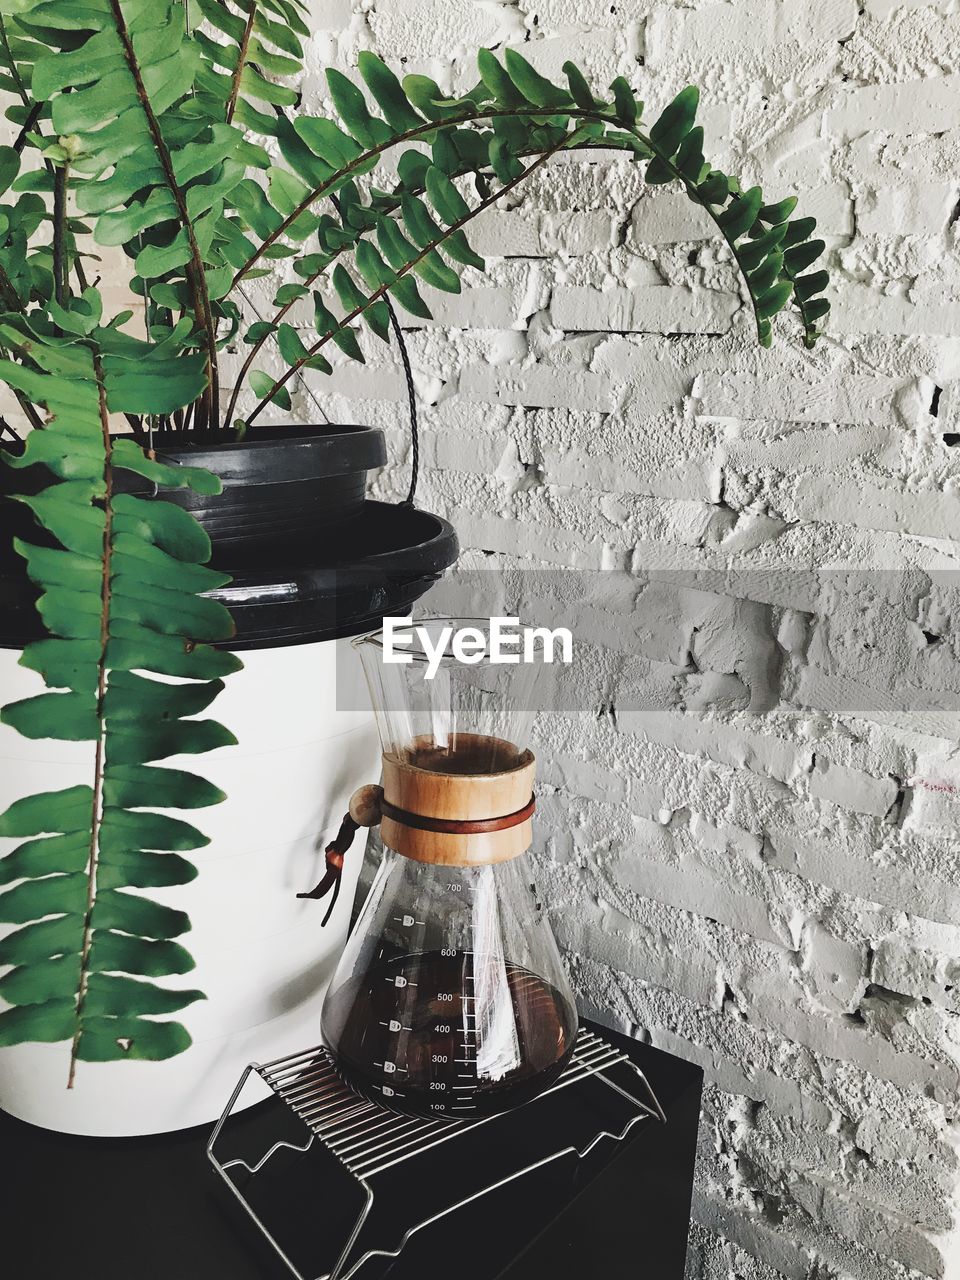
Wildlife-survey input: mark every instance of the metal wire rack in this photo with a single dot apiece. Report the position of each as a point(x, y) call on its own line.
point(368, 1140)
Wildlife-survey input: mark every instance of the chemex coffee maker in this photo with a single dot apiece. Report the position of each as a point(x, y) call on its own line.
point(450, 999)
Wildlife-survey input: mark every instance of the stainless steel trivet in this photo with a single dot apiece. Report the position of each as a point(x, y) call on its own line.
point(368, 1140)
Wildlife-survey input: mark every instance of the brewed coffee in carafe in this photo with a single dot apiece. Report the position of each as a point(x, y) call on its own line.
point(450, 998)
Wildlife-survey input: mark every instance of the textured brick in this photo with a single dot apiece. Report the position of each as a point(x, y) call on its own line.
point(580, 15)
point(748, 26)
point(914, 209)
point(851, 398)
point(436, 28)
point(852, 789)
point(536, 234)
point(866, 310)
point(669, 217)
point(331, 15)
point(918, 106)
point(539, 385)
point(659, 309)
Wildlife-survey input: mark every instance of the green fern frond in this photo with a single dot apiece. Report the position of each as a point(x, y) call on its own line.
point(513, 116)
point(122, 600)
point(253, 49)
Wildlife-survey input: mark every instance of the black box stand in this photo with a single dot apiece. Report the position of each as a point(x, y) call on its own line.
point(99, 1209)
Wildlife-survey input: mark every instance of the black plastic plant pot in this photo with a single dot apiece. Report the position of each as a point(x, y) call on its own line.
point(279, 483)
point(379, 563)
point(311, 559)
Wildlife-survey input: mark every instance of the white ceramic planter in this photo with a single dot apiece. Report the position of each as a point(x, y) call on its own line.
point(262, 958)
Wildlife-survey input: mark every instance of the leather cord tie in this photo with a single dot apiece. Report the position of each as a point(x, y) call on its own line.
point(334, 852)
point(364, 812)
point(456, 826)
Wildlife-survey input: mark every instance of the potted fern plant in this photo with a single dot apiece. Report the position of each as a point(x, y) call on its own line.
point(158, 521)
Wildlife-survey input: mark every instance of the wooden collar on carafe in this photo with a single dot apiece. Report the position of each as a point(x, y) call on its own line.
point(462, 819)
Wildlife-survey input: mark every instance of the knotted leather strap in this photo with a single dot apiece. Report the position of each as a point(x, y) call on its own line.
point(364, 812)
point(334, 855)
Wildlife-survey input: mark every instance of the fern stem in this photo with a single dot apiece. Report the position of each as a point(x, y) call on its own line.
point(12, 65)
point(604, 117)
point(379, 293)
point(31, 121)
point(195, 273)
point(241, 62)
point(410, 135)
point(30, 411)
point(34, 109)
point(96, 817)
point(60, 268)
point(567, 143)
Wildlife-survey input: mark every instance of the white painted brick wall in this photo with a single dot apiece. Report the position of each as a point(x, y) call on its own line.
point(759, 872)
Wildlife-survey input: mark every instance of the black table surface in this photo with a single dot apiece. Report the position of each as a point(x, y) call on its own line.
point(154, 1208)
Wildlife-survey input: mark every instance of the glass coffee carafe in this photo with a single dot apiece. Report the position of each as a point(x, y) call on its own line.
point(450, 998)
